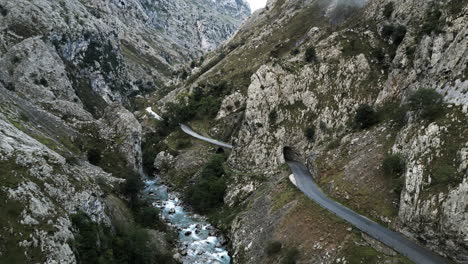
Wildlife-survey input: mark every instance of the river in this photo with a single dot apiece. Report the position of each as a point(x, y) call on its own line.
point(198, 241)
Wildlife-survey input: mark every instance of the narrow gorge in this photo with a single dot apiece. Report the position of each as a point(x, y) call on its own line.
point(201, 131)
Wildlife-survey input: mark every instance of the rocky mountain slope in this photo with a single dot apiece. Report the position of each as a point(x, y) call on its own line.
point(71, 72)
point(299, 74)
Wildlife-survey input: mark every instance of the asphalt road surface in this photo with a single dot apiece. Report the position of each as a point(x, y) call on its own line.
point(189, 131)
point(408, 248)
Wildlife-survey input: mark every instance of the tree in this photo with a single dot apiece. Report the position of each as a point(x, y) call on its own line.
point(366, 116)
point(427, 103)
point(214, 167)
point(273, 247)
point(94, 156)
point(394, 165)
point(310, 133)
point(396, 32)
point(208, 192)
point(399, 34)
point(310, 54)
point(273, 116)
point(290, 256)
point(388, 10)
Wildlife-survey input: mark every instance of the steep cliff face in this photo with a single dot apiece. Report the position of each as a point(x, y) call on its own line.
point(305, 66)
point(208, 24)
point(70, 74)
point(150, 38)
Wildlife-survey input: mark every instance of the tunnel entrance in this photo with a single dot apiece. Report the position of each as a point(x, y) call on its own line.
point(290, 154)
point(220, 150)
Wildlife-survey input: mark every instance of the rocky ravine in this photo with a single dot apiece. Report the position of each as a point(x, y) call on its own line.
point(375, 52)
point(69, 73)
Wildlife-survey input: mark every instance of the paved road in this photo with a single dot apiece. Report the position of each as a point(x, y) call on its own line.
point(408, 248)
point(189, 131)
point(304, 181)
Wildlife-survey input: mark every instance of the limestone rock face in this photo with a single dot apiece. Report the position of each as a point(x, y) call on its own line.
point(43, 185)
point(163, 161)
point(120, 126)
point(116, 46)
point(315, 80)
point(69, 71)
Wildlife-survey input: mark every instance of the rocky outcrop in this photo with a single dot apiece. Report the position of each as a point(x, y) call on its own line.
point(122, 128)
point(120, 47)
point(41, 188)
point(163, 161)
point(315, 79)
point(69, 72)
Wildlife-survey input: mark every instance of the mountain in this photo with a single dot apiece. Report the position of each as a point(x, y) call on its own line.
point(71, 73)
point(371, 95)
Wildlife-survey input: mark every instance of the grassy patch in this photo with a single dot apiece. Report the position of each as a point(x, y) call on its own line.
point(287, 193)
point(357, 253)
point(11, 175)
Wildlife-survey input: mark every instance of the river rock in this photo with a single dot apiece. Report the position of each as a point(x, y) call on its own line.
point(177, 257)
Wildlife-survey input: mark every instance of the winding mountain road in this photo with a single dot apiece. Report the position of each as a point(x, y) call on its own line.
point(408, 248)
point(304, 181)
point(192, 133)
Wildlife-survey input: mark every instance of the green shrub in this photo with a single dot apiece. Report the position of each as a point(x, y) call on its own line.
point(379, 54)
point(295, 51)
point(394, 165)
point(272, 248)
point(323, 127)
point(432, 22)
point(86, 241)
point(184, 74)
point(3, 11)
point(310, 55)
point(388, 10)
point(399, 34)
point(97, 243)
point(396, 32)
point(310, 133)
point(399, 184)
point(444, 174)
point(399, 116)
point(193, 64)
point(202, 103)
point(387, 30)
point(94, 156)
point(44, 82)
point(72, 160)
point(132, 187)
point(214, 167)
point(290, 257)
point(366, 116)
point(153, 144)
point(148, 216)
point(410, 51)
point(273, 116)
point(427, 103)
point(207, 107)
point(208, 192)
point(183, 143)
